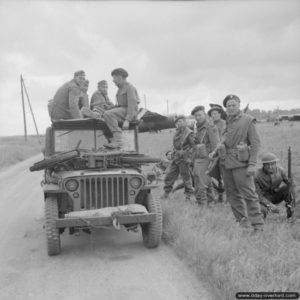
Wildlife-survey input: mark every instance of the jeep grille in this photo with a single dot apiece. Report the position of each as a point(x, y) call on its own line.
point(99, 192)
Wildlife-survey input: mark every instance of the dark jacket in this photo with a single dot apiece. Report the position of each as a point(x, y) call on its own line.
point(183, 142)
point(266, 184)
point(240, 129)
point(66, 102)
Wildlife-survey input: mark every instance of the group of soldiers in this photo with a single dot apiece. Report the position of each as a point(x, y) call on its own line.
point(71, 101)
point(228, 139)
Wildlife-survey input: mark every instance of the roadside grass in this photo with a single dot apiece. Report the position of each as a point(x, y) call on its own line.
point(220, 253)
point(14, 149)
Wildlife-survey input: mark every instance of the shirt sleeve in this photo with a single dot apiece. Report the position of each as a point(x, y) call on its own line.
point(74, 96)
point(254, 140)
point(131, 103)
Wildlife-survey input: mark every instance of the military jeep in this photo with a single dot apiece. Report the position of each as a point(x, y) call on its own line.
point(87, 186)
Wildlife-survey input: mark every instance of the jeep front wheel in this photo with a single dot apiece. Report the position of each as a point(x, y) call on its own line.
point(52, 232)
point(152, 232)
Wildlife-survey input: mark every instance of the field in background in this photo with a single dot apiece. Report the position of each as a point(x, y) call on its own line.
point(222, 255)
point(14, 149)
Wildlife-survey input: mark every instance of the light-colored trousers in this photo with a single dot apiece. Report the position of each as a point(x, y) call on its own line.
point(113, 116)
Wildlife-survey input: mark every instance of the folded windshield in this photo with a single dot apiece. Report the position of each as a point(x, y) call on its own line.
point(91, 140)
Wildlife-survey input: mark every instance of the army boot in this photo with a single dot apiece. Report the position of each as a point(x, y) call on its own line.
point(201, 197)
point(116, 142)
point(210, 194)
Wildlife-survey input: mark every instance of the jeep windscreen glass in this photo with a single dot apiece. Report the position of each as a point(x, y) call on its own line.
point(67, 140)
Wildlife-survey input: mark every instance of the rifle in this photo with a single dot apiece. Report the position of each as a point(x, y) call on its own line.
point(291, 201)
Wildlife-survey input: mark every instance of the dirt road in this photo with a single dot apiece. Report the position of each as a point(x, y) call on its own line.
point(105, 265)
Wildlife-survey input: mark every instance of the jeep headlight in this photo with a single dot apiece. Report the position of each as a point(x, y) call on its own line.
point(71, 185)
point(135, 182)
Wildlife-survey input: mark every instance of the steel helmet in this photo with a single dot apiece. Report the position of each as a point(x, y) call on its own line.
point(269, 157)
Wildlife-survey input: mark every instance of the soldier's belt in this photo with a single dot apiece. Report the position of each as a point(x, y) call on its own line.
point(232, 151)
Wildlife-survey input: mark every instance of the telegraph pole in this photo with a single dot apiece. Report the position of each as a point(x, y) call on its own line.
point(167, 107)
point(32, 114)
point(145, 102)
point(23, 107)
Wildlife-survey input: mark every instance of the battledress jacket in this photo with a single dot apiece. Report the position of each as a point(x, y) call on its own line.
point(100, 100)
point(240, 128)
point(266, 183)
point(66, 102)
point(127, 96)
point(183, 140)
point(207, 134)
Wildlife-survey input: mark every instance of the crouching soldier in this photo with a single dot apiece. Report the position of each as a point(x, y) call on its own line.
point(206, 139)
point(126, 109)
point(272, 185)
point(183, 142)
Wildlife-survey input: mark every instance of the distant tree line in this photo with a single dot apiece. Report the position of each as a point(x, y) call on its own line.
point(271, 115)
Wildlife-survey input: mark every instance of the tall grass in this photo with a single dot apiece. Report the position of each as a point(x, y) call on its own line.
point(225, 257)
point(14, 149)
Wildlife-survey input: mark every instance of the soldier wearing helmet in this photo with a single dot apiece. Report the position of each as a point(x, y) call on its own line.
point(272, 184)
point(183, 143)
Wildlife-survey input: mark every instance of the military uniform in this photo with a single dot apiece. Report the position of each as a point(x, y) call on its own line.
point(240, 188)
point(221, 125)
point(271, 188)
point(183, 142)
point(101, 102)
point(65, 104)
point(206, 139)
point(126, 108)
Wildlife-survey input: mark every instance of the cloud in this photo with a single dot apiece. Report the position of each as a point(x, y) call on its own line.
point(187, 52)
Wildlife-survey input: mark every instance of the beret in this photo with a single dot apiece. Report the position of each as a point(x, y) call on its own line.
point(179, 117)
point(215, 105)
point(217, 108)
point(79, 73)
point(230, 97)
point(197, 108)
point(102, 82)
point(119, 71)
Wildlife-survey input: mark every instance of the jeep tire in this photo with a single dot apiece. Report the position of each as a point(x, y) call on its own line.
point(152, 232)
point(52, 232)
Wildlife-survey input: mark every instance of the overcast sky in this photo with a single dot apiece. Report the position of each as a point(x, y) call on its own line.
point(190, 53)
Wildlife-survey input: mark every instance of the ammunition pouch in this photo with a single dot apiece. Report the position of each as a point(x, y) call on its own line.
point(241, 153)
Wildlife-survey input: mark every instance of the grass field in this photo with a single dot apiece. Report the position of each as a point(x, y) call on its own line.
point(222, 255)
point(14, 149)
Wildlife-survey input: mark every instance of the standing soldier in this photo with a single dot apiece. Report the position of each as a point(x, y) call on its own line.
point(216, 115)
point(126, 109)
point(242, 143)
point(65, 104)
point(206, 139)
point(183, 142)
point(272, 185)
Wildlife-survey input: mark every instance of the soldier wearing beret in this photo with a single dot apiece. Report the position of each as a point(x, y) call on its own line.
point(206, 139)
point(242, 142)
point(126, 109)
point(65, 103)
point(183, 142)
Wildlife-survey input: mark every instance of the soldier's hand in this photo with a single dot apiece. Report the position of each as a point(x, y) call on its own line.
point(250, 170)
point(125, 125)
